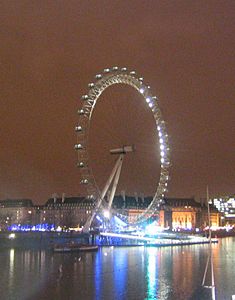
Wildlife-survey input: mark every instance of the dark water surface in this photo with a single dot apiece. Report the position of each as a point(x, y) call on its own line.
point(117, 273)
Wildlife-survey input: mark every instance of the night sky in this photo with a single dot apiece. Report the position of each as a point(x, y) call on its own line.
point(51, 50)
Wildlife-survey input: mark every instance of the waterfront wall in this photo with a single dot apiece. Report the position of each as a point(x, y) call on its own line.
point(39, 240)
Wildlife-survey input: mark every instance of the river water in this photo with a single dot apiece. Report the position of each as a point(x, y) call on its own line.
point(134, 273)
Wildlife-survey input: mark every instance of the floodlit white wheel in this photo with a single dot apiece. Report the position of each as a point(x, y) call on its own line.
point(104, 80)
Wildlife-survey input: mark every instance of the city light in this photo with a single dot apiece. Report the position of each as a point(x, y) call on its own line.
point(153, 229)
point(107, 214)
point(12, 236)
point(99, 219)
point(148, 99)
point(225, 205)
point(38, 227)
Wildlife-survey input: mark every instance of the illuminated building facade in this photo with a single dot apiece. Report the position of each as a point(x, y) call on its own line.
point(16, 211)
point(182, 213)
point(72, 212)
point(215, 217)
point(187, 214)
point(226, 205)
point(174, 213)
point(63, 212)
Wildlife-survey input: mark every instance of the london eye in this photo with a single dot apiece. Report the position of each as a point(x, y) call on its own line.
point(102, 202)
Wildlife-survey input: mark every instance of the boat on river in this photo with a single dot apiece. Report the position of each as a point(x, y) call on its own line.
point(73, 247)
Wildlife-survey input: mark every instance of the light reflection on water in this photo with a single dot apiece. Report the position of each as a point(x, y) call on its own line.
point(117, 273)
point(152, 274)
point(11, 268)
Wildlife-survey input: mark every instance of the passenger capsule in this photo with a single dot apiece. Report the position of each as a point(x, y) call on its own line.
point(85, 97)
point(98, 76)
point(80, 164)
point(148, 99)
point(78, 128)
point(91, 85)
point(78, 147)
point(106, 70)
point(141, 90)
point(84, 181)
point(81, 112)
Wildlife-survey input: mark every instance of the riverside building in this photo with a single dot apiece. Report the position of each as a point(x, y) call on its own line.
point(174, 213)
point(69, 212)
point(16, 211)
point(226, 205)
point(72, 212)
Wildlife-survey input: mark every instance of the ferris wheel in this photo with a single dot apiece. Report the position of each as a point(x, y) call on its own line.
point(104, 80)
